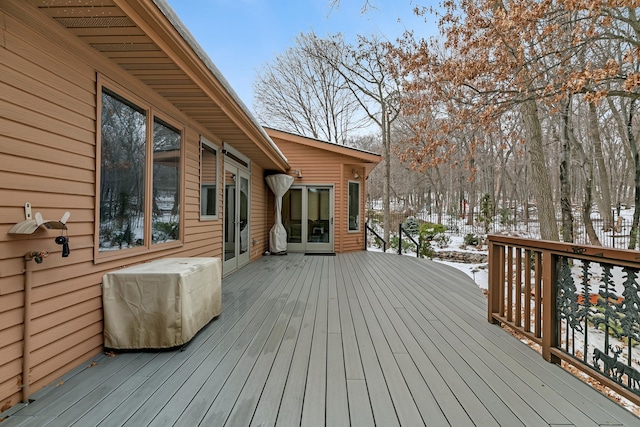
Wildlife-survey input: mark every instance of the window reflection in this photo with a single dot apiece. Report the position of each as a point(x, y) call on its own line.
point(122, 174)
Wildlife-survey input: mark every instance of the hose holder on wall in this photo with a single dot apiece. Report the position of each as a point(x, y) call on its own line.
point(31, 224)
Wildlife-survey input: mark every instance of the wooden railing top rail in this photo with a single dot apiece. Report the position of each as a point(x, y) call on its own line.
point(596, 253)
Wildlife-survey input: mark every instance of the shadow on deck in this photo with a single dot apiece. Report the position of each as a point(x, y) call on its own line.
point(358, 339)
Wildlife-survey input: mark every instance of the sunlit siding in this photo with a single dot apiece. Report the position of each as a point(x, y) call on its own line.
point(353, 241)
point(259, 212)
point(48, 158)
point(324, 167)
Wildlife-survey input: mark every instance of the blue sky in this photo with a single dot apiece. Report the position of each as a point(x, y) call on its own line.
point(241, 35)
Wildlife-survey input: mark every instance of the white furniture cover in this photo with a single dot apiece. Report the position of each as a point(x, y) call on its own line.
point(279, 184)
point(160, 304)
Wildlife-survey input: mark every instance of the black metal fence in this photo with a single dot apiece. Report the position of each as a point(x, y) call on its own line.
point(613, 237)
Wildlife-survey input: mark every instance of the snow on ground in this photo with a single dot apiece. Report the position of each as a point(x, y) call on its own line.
point(478, 272)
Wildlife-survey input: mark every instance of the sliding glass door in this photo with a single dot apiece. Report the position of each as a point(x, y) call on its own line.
point(307, 215)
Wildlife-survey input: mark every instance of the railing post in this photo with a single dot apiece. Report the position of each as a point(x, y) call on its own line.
point(496, 266)
point(400, 239)
point(384, 243)
point(509, 259)
point(549, 320)
point(366, 234)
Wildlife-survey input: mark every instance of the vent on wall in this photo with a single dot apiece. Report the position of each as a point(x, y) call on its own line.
point(102, 22)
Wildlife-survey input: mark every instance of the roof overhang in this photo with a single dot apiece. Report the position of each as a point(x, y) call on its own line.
point(148, 40)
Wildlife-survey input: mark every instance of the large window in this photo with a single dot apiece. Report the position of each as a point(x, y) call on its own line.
point(140, 182)
point(354, 206)
point(165, 222)
point(208, 180)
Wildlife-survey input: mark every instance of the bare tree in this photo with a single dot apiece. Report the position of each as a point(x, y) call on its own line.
point(366, 5)
point(301, 93)
point(368, 75)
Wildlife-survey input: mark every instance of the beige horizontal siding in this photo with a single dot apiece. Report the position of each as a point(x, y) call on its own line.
point(319, 166)
point(259, 230)
point(48, 158)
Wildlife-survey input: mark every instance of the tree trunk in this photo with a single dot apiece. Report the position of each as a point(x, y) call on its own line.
point(471, 199)
point(586, 208)
point(565, 181)
point(386, 205)
point(623, 189)
point(539, 178)
point(586, 166)
point(636, 161)
point(604, 201)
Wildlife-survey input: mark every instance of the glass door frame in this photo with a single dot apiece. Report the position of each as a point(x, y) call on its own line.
point(240, 253)
point(305, 245)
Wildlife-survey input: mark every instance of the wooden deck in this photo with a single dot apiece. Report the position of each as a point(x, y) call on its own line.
point(359, 339)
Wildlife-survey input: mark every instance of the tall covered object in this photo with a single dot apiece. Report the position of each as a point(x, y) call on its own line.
point(279, 184)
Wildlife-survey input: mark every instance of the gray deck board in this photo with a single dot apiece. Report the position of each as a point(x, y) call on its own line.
point(450, 335)
point(314, 404)
point(266, 411)
point(191, 398)
point(379, 394)
point(569, 404)
point(352, 361)
point(492, 392)
point(290, 410)
point(359, 339)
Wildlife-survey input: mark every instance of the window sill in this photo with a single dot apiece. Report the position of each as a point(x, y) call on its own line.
point(107, 256)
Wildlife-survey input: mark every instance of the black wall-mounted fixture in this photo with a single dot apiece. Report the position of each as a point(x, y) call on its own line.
point(64, 241)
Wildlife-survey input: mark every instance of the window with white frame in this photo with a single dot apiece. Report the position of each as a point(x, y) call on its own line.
point(140, 176)
point(354, 206)
point(208, 180)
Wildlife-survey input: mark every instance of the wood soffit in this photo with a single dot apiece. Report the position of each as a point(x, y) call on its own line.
point(140, 38)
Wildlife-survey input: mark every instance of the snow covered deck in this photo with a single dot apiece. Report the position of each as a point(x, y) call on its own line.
point(357, 339)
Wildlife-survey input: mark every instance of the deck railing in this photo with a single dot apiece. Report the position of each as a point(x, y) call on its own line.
point(581, 304)
point(367, 230)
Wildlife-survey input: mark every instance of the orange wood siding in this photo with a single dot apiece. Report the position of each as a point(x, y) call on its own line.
point(48, 157)
point(353, 240)
point(259, 213)
point(319, 166)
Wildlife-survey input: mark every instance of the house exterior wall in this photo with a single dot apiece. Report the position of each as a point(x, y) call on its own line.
point(48, 148)
point(259, 207)
point(319, 166)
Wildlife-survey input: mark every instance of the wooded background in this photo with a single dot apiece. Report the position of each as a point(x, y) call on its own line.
point(528, 105)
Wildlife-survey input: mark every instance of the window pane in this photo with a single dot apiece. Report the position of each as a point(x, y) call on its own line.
point(292, 215)
point(244, 214)
point(230, 215)
point(208, 181)
point(354, 206)
point(122, 174)
point(318, 209)
point(165, 225)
